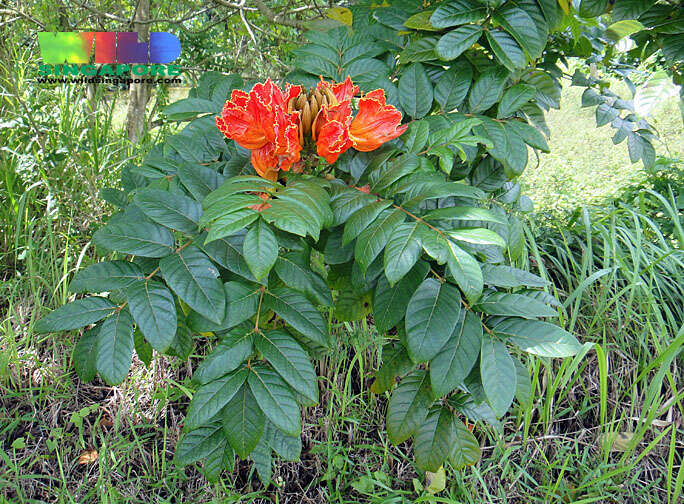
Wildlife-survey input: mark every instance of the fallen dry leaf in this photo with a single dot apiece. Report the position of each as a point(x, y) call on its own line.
point(616, 441)
point(435, 482)
point(87, 457)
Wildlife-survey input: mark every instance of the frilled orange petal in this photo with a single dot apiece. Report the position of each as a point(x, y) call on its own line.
point(241, 120)
point(376, 123)
point(265, 162)
point(287, 145)
point(343, 91)
point(332, 131)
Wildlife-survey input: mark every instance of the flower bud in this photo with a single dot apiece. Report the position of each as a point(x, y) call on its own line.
point(301, 100)
point(306, 117)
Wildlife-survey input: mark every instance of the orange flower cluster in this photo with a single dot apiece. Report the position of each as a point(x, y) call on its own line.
point(262, 122)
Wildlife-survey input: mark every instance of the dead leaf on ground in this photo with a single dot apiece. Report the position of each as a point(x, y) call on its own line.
point(87, 457)
point(435, 482)
point(615, 441)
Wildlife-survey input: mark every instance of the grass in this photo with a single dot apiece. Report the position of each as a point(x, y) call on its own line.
point(603, 427)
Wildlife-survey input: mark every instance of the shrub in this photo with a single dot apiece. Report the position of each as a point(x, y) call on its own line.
point(326, 206)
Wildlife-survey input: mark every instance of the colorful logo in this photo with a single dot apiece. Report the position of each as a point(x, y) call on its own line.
point(110, 47)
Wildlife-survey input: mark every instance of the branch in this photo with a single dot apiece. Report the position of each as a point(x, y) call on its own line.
point(273, 18)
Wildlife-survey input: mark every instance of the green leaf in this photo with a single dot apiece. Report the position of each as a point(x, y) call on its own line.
point(523, 385)
point(231, 223)
point(199, 180)
point(395, 362)
point(291, 362)
point(298, 276)
point(84, 355)
point(170, 209)
point(213, 463)
point(243, 422)
point(538, 338)
point(422, 49)
point(415, 91)
point(450, 367)
point(592, 8)
point(431, 317)
point(506, 49)
point(461, 265)
point(456, 13)
point(622, 29)
point(227, 252)
point(402, 251)
point(348, 201)
point(453, 85)
point(298, 311)
point(106, 276)
point(420, 21)
point(487, 89)
point(193, 277)
point(275, 398)
point(227, 356)
point(434, 439)
point(455, 42)
point(76, 314)
point(605, 114)
point(115, 347)
point(514, 98)
point(210, 399)
point(498, 374)
point(138, 238)
point(142, 348)
point(185, 109)
point(361, 219)
point(508, 277)
point(416, 136)
point(478, 236)
point(263, 462)
point(154, 311)
point(287, 216)
point(287, 447)
point(408, 406)
point(519, 23)
point(531, 135)
point(466, 449)
point(198, 443)
point(260, 249)
point(373, 239)
point(463, 214)
point(516, 160)
point(389, 303)
point(514, 305)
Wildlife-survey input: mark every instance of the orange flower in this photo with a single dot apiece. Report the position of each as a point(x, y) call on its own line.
point(259, 121)
point(376, 122)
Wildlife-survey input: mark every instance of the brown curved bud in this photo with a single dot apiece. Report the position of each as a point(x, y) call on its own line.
point(315, 107)
point(313, 125)
point(301, 100)
point(306, 117)
point(332, 99)
point(318, 96)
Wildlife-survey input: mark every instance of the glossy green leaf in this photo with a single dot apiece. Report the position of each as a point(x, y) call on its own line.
point(210, 398)
point(498, 374)
point(298, 311)
point(193, 277)
point(415, 91)
point(487, 89)
point(431, 317)
point(457, 12)
point(514, 98)
point(506, 50)
point(408, 406)
point(84, 355)
point(243, 422)
point(453, 85)
point(106, 276)
point(291, 362)
point(76, 314)
point(115, 347)
point(260, 249)
point(466, 449)
point(170, 209)
point(434, 439)
point(197, 444)
point(449, 368)
point(390, 302)
point(138, 238)
point(402, 251)
point(455, 42)
point(538, 338)
point(154, 311)
point(275, 398)
point(227, 356)
point(395, 363)
point(514, 305)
